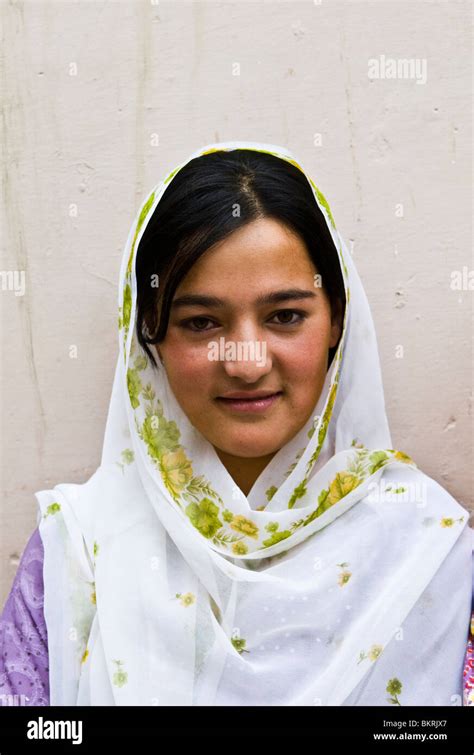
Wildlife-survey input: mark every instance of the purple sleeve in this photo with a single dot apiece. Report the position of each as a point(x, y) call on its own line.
point(24, 677)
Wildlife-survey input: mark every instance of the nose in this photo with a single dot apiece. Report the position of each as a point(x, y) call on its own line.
point(247, 355)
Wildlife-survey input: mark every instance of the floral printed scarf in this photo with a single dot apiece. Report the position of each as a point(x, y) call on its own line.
point(329, 584)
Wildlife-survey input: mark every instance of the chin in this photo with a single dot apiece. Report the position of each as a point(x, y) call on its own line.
point(251, 450)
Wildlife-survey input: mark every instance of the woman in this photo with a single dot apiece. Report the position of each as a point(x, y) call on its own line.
point(250, 536)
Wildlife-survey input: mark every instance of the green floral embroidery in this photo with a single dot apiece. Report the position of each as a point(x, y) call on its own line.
point(162, 440)
point(363, 464)
point(186, 600)
point(53, 508)
point(148, 393)
point(343, 483)
point(366, 463)
point(93, 594)
point(126, 308)
point(359, 465)
point(205, 517)
point(276, 537)
point(239, 644)
point(120, 677)
point(323, 201)
point(134, 385)
point(295, 463)
point(127, 305)
point(173, 173)
point(298, 492)
point(96, 549)
point(377, 460)
point(394, 688)
point(345, 575)
point(141, 220)
point(227, 515)
point(325, 422)
point(448, 522)
point(199, 486)
point(271, 492)
point(312, 430)
point(374, 652)
point(141, 362)
point(160, 436)
point(272, 526)
point(127, 458)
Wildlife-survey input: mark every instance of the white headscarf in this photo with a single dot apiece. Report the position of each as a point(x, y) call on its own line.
point(343, 578)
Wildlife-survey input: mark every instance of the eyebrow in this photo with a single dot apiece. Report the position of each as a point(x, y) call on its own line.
point(275, 297)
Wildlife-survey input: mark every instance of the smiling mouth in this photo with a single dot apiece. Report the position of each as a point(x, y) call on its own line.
point(256, 404)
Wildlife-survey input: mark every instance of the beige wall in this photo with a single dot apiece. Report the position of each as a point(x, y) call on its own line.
point(167, 69)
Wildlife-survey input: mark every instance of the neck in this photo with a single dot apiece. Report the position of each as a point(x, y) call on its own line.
point(244, 471)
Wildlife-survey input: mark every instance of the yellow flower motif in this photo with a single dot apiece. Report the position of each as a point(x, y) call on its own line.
point(342, 484)
point(84, 657)
point(400, 456)
point(344, 578)
point(176, 471)
point(375, 651)
point(241, 524)
point(446, 522)
point(239, 548)
point(186, 600)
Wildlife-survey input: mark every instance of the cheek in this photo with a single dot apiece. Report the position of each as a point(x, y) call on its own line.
point(304, 367)
point(307, 355)
point(188, 368)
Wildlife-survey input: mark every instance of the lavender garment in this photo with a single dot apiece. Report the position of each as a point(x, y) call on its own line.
point(24, 677)
point(24, 673)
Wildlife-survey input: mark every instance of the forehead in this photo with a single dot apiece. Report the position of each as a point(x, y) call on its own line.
point(262, 250)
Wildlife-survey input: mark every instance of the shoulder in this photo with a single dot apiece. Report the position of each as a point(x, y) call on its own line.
point(23, 634)
point(28, 580)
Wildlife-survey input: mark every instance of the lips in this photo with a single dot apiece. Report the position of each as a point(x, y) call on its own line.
point(258, 401)
point(249, 395)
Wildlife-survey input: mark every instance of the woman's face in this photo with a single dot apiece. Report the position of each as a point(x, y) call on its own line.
point(290, 338)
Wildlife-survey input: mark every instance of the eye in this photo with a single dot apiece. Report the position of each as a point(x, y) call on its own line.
point(193, 323)
point(187, 324)
point(300, 315)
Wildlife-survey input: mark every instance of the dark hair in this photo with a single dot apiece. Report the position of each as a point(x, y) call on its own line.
point(195, 212)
